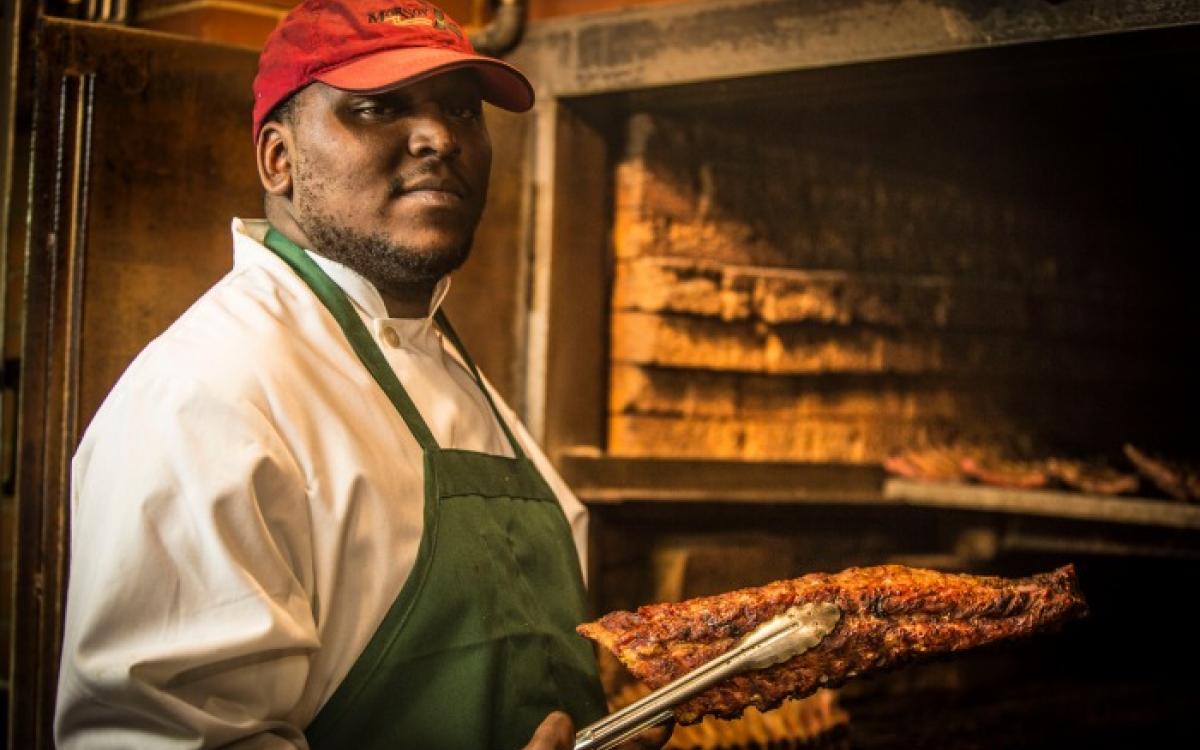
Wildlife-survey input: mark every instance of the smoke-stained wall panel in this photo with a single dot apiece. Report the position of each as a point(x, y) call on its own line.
point(1007, 239)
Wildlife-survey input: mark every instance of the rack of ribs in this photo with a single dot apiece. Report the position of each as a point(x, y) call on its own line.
point(891, 615)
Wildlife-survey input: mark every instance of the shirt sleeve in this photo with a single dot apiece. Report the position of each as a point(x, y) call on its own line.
point(189, 617)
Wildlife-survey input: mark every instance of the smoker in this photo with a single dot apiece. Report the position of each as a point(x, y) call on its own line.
point(774, 244)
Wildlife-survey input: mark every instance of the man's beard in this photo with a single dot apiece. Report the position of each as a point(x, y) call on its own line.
point(387, 264)
point(391, 266)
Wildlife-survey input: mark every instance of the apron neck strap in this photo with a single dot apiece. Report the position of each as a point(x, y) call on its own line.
point(363, 343)
point(444, 323)
point(361, 340)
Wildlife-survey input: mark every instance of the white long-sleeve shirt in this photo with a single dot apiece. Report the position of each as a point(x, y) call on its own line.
point(246, 505)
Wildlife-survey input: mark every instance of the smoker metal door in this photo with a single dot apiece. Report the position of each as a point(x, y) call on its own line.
point(141, 156)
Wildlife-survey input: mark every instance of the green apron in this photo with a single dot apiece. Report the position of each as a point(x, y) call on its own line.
point(479, 645)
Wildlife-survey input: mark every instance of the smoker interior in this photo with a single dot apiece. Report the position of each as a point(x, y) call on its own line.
point(1119, 676)
point(1064, 167)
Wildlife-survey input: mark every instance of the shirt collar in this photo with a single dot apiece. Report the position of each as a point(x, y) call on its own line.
point(356, 286)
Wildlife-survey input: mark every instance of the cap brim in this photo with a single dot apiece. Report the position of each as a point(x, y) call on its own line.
point(502, 84)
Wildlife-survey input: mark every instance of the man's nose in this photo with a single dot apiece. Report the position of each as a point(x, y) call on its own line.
point(431, 135)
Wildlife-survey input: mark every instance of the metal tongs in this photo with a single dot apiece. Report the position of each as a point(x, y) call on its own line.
point(786, 635)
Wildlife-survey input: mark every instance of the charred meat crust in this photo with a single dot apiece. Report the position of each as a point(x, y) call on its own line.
point(891, 615)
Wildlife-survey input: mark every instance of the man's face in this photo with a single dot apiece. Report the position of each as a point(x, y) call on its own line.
point(392, 184)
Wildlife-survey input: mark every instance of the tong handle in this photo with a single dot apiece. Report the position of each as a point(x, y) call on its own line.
point(778, 639)
point(608, 740)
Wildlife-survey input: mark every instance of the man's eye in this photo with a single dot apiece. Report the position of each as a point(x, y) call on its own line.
point(372, 110)
point(467, 112)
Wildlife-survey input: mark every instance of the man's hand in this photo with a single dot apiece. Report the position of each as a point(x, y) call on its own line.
point(556, 732)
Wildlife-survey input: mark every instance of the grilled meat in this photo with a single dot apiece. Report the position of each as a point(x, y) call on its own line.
point(813, 722)
point(929, 465)
point(891, 615)
point(1094, 478)
point(1172, 478)
point(999, 473)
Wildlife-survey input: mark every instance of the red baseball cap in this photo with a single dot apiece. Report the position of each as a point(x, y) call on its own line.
point(374, 45)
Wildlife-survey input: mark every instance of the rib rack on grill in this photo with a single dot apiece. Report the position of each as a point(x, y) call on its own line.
point(891, 615)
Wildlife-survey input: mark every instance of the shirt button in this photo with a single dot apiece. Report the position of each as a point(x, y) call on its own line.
point(391, 337)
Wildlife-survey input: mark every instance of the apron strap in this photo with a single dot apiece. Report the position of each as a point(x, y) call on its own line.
point(444, 323)
point(361, 340)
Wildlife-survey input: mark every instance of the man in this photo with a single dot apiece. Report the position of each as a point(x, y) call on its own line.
point(301, 518)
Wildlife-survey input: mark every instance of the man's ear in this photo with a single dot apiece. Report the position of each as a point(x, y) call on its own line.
point(274, 157)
